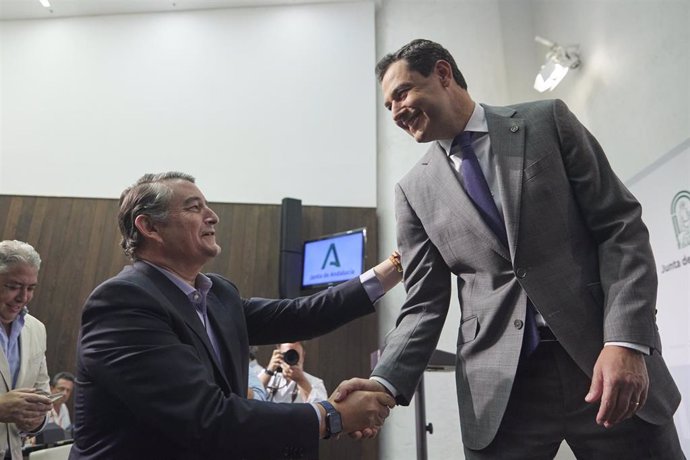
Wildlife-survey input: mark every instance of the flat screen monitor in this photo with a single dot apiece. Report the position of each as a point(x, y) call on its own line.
point(332, 259)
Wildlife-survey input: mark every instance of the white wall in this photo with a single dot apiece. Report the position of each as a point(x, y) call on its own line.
point(258, 103)
point(632, 92)
point(632, 89)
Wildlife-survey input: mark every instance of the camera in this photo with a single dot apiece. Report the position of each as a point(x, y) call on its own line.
point(291, 357)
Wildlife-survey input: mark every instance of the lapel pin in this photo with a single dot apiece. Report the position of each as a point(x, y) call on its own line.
point(514, 128)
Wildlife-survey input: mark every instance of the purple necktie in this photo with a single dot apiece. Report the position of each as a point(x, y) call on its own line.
point(478, 190)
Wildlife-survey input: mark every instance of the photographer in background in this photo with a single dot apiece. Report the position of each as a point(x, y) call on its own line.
point(285, 379)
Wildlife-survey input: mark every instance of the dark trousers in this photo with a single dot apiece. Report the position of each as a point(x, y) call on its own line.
point(547, 405)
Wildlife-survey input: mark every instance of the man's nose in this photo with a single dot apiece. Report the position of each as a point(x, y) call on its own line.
point(399, 114)
point(396, 111)
point(212, 217)
point(23, 294)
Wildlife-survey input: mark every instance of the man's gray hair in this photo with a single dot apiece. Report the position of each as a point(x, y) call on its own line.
point(149, 196)
point(13, 252)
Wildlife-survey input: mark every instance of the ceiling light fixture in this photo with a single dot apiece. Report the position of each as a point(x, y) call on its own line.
point(45, 3)
point(559, 60)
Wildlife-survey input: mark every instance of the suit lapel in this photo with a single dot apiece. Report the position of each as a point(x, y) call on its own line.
point(508, 148)
point(441, 176)
point(5, 371)
point(177, 301)
point(227, 338)
point(23, 356)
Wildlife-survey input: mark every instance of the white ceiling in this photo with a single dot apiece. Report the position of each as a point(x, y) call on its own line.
point(32, 9)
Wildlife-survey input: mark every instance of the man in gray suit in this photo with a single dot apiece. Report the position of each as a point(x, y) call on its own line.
point(556, 282)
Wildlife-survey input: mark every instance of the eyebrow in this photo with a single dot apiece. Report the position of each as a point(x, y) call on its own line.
point(17, 283)
point(193, 200)
point(395, 93)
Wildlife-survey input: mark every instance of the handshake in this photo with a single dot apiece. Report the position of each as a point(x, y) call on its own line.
point(362, 407)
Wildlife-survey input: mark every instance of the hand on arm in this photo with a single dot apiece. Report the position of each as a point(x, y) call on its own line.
point(389, 272)
point(620, 382)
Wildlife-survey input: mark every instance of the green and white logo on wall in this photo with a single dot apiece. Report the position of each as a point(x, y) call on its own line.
point(680, 213)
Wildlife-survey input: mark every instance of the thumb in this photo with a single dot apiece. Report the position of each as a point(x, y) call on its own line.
point(596, 389)
point(385, 399)
point(341, 392)
point(346, 387)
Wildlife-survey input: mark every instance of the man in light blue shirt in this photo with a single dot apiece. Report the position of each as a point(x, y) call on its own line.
point(23, 370)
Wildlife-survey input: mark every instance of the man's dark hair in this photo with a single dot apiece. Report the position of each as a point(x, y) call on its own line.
point(421, 56)
point(61, 376)
point(149, 196)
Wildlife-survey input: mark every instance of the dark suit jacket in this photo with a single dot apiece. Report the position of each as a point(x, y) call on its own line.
point(577, 248)
point(149, 385)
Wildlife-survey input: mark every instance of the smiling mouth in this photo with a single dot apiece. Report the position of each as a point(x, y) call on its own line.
point(412, 120)
point(210, 233)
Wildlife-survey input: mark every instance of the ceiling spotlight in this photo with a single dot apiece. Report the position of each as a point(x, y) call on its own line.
point(559, 60)
point(45, 3)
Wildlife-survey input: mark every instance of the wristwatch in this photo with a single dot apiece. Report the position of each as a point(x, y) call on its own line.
point(334, 424)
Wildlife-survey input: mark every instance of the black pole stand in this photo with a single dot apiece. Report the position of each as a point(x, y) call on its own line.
point(420, 417)
point(441, 361)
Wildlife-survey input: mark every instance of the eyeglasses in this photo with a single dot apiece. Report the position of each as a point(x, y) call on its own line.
point(18, 286)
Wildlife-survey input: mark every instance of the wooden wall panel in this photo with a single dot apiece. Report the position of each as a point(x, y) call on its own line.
point(78, 241)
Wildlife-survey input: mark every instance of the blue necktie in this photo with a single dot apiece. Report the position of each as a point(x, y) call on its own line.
point(478, 190)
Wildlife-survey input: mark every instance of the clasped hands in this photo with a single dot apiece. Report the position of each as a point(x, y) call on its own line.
point(363, 405)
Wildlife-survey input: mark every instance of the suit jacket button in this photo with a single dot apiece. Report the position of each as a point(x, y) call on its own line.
point(521, 272)
point(518, 324)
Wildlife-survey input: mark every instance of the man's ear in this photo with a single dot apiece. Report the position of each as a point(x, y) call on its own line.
point(147, 228)
point(444, 71)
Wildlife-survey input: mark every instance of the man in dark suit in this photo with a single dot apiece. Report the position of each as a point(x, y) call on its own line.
point(162, 355)
point(556, 278)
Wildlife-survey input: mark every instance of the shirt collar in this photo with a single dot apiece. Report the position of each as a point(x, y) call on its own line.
point(476, 124)
point(202, 282)
point(17, 324)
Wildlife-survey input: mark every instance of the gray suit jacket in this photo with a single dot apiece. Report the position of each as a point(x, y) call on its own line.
point(33, 373)
point(577, 248)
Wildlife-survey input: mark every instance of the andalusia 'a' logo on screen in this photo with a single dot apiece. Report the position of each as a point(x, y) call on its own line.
point(331, 257)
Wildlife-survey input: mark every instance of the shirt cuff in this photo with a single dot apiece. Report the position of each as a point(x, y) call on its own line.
point(371, 284)
point(318, 412)
point(641, 348)
point(389, 386)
